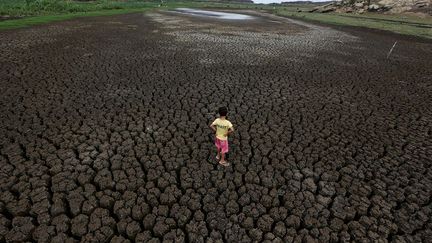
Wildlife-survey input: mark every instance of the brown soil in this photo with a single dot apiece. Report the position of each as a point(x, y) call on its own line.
point(104, 132)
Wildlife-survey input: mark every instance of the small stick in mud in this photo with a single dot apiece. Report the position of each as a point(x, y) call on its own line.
point(389, 53)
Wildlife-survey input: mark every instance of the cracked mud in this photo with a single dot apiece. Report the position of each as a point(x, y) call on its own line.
point(104, 132)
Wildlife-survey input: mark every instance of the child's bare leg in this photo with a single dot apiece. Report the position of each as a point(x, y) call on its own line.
point(218, 154)
point(222, 161)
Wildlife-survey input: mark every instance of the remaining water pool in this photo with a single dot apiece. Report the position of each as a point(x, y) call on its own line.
point(214, 14)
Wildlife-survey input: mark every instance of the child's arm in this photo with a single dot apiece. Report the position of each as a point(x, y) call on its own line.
point(230, 130)
point(213, 127)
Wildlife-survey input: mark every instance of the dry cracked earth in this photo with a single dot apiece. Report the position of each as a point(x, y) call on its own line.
point(104, 132)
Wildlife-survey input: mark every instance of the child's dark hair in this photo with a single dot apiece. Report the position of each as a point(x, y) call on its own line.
point(223, 111)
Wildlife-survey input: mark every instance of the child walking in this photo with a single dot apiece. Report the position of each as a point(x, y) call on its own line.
point(222, 128)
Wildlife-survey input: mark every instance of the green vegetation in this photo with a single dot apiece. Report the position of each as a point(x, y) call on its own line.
point(408, 25)
point(36, 20)
point(31, 12)
point(45, 7)
point(23, 13)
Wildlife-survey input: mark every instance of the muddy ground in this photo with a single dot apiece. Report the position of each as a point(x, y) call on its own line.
point(104, 132)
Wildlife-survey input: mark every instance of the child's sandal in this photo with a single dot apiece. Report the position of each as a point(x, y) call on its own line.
point(224, 163)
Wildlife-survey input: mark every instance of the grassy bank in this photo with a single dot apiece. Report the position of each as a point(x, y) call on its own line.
point(20, 8)
point(36, 20)
point(24, 13)
point(407, 25)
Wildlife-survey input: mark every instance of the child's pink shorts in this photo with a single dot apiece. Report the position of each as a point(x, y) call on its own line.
point(222, 145)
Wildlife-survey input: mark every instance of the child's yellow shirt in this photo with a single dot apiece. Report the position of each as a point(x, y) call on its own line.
point(222, 126)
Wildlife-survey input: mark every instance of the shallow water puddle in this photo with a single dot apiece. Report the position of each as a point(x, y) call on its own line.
point(214, 14)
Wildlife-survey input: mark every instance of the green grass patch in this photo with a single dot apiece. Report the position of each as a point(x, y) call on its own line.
point(26, 13)
point(17, 8)
point(421, 27)
point(37, 20)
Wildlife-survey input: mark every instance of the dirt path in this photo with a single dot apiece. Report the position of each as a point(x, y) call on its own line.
point(104, 136)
